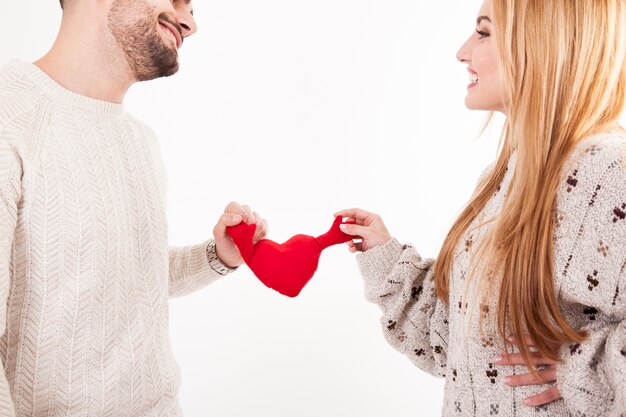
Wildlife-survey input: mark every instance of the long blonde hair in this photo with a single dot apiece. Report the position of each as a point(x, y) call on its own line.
point(563, 64)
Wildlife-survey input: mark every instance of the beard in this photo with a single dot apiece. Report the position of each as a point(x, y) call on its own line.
point(135, 28)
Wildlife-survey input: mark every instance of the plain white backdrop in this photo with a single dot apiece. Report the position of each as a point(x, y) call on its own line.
point(300, 109)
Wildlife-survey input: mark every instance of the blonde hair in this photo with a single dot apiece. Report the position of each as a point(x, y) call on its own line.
point(563, 64)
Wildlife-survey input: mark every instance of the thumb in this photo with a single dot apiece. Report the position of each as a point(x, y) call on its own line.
point(231, 219)
point(354, 229)
point(226, 220)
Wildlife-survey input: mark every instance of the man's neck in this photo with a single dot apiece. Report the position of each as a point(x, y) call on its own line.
point(85, 62)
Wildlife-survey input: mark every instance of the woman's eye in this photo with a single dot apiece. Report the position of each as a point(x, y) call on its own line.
point(482, 34)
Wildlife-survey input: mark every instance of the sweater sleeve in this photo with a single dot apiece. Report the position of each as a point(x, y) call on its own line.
point(190, 269)
point(414, 321)
point(592, 375)
point(10, 195)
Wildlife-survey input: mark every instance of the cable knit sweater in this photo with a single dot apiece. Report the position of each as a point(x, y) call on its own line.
point(590, 278)
point(85, 269)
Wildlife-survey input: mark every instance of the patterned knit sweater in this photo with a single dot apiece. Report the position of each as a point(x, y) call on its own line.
point(85, 269)
point(590, 278)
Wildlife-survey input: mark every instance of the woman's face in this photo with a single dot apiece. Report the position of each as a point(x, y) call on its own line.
point(486, 90)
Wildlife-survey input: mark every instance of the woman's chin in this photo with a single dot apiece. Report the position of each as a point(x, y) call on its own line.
point(472, 104)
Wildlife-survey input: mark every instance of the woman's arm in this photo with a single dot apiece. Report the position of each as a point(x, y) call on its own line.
point(401, 283)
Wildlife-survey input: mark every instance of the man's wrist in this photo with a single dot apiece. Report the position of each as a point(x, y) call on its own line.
point(215, 262)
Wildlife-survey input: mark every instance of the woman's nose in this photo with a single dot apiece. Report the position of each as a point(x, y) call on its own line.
point(464, 53)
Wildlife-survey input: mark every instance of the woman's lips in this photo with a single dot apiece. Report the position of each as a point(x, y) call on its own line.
point(473, 75)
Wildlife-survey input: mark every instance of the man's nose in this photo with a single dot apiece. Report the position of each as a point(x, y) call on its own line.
point(188, 23)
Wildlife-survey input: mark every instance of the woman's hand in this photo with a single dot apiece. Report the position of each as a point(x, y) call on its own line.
point(546, 369)
point(368, 227)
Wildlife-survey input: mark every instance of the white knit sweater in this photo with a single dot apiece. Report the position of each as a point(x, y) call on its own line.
point(444, 339)
point(85, 268)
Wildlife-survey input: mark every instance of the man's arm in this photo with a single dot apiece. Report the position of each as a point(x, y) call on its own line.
point(10, 195)
point(194, 267)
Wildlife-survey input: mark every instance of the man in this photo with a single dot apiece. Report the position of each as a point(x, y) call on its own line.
point(85, 270)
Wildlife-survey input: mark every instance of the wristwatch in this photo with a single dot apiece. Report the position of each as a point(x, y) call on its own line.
point(214, 261)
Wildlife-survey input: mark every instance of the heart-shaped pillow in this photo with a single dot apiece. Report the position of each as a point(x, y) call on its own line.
point(286, 267)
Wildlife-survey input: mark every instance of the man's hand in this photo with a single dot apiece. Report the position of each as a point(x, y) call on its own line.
point(234, 214)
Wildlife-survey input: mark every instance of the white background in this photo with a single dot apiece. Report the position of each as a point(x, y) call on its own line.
point(299, 109)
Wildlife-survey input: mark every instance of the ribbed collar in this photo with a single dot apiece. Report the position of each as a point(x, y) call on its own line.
point(62, 94)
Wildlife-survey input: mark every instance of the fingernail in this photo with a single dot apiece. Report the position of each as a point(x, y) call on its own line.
point(507, 380)
point(498, 359)
point(527, 401)
point(343, 226)
point(236, 218)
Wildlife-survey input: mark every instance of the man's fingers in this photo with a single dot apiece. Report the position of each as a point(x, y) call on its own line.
point(244, 211)
point(259, 223)
point(229, 219)
point(261, 228)
point(517, 359)
point(546, 376)
point(249, 215)
point(233, 207)
point(543, 398)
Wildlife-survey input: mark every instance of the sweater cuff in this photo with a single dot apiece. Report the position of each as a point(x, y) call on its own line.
point(190, 269)
point(375, 264)
point(215, 262)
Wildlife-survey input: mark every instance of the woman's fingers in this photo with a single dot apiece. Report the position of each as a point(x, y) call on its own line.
point(355, 246)
point(529, 342)
point(545, 397)
point(354, 213)
point(527, 339)
point(517, 359)
point(360, 222)
point(367, 226)
point(355, 230)
point(546, 376)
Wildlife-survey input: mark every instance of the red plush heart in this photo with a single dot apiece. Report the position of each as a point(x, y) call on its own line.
point(286, 267)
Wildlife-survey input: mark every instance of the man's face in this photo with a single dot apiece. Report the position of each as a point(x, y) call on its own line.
point(150, 32)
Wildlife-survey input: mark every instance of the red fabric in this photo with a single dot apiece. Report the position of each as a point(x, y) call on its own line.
point(286, 267)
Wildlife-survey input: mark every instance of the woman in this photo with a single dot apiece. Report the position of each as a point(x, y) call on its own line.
point(535, 264)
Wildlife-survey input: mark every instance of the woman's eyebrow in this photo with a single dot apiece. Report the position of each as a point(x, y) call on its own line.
point(481, 18)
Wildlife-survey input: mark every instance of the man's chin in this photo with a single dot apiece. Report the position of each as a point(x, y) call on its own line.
point(158, 72)
point(173, 70)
